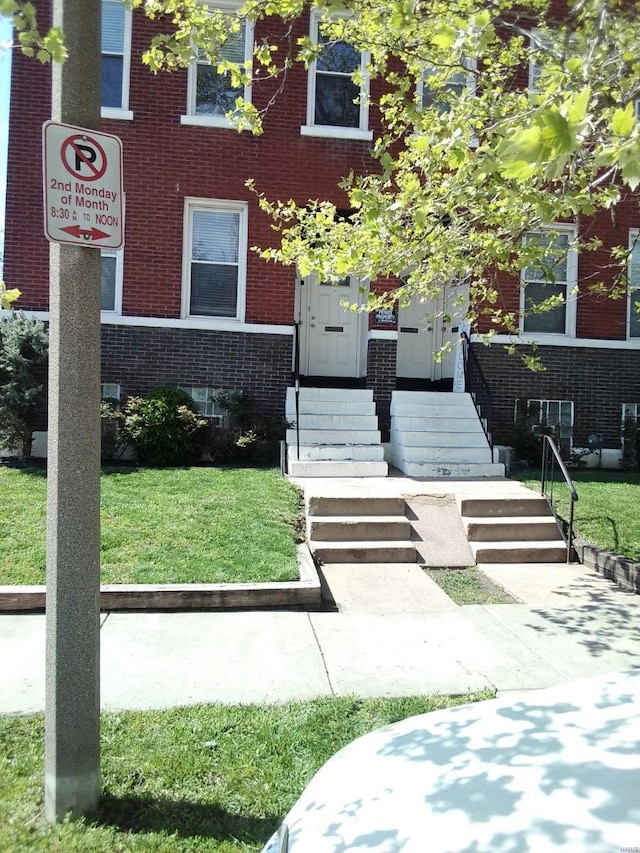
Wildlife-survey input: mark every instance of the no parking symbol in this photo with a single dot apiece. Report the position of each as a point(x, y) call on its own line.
point(83, 194)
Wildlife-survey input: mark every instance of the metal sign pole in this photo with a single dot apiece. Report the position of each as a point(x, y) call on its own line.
point(72, 712)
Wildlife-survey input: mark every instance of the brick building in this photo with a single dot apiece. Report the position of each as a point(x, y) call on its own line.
point(186, 302)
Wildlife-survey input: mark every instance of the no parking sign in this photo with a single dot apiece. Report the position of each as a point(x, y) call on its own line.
point(83, 195)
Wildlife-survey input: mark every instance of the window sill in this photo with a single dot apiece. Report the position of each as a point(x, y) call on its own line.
point(330, 132)
point(209, 121)
point(115, 113)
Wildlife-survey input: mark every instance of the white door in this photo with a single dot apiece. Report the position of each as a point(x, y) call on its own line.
point(423, 329)
point(330, 334)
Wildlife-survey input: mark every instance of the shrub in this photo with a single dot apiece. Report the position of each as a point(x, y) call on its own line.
point(24, 349)
point(246, 437)
point(111, 440)
point(163, 428)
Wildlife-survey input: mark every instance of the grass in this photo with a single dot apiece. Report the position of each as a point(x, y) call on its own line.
point(204, 778)
point(469, 586)
point(606, 512)
point(178, 525)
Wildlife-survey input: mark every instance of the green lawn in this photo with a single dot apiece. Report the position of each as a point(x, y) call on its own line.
point(607, 511)
point(204, 778)
point(469, 586)
point(177, 525)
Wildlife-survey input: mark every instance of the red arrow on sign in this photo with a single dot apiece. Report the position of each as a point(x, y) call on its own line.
point(91, 234)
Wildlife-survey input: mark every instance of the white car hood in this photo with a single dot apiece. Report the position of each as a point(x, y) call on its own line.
point(558, 770)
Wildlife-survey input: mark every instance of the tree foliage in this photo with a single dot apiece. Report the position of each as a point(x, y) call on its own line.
point(458, 177)
point(24, 348)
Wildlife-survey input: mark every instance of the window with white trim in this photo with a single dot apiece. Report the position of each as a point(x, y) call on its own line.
point(539, 44)
point(553, 417)
point(633, 302)
point(552, 277)
point(110, 391)
point(205, 400)
point(211, 94)
point(336, 105)
point(460, 80)
point(115, 59)
point(111, 281)
point(215, 253)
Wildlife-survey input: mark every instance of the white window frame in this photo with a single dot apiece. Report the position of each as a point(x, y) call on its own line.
point(634, 246)
point(361, 132)
point(538, 39)
point(123, 112)
point(106, 387)
point(191, 117)
point(223, 205)
point(468, 65)
point(543, 414)
point(118, 254)
point(209, 404)
point(571, 284)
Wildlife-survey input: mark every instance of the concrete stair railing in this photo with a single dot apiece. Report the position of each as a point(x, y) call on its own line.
point(512, 530)
point(339, 435)
point(359, 530)
point(439, 434)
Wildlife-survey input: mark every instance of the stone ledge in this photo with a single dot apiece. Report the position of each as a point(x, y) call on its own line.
point(304, 593)
point(622, 571)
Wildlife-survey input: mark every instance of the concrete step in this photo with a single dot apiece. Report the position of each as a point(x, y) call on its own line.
point(438, 455)
point(353, 528)
point(519, 552)
point(464, 408)
point(440, 438)
point(512, 529)
point(338, 394)
point(351, 452)
point(462, 424)
point(535, 505)
point(319, 468)
point(322, 407)
point(353, 423)
point(411, 397)
point(449, 469)
point(354, 506)
point(335, 436)
point(386, 551)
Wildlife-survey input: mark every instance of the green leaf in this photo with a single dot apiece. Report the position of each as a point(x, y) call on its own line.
point(623, 121)
point(445, 37)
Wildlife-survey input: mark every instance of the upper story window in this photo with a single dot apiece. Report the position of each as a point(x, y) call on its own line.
point(211, 93)
point(336, 105)
point(111, 281)
point(459, 81)
point(215, 259)
point(115, 59)
point(633, 320)
point(553, 278)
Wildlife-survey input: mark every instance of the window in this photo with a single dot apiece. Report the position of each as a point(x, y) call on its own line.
point(109, 391)
point(553, 276)
point(204, 398)
point(540, 43)
point(115, 59)
point(215, 258)
point(633, 324)
point(111, 281)
point(554, 417)
point(336, 105)
point(460, 80)
point(211, 96)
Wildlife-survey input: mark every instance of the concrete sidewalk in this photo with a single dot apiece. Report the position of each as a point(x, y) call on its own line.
point(392, 632)
point(580, 626)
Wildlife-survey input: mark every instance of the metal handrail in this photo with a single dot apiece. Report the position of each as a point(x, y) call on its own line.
point(477, 386)
point(296, 380)
point(546, 474)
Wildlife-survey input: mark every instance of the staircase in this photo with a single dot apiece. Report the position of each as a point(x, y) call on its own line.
point(439, 434)
point(359, 530)
point(339, 435)
point(512, 530)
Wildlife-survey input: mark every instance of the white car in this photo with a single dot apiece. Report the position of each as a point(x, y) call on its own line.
point(557, 770)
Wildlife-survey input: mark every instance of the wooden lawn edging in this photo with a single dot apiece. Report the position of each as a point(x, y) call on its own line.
point(621, 570)
point(303, 593)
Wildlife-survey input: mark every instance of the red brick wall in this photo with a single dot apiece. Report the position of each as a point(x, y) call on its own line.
point(165, 162)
